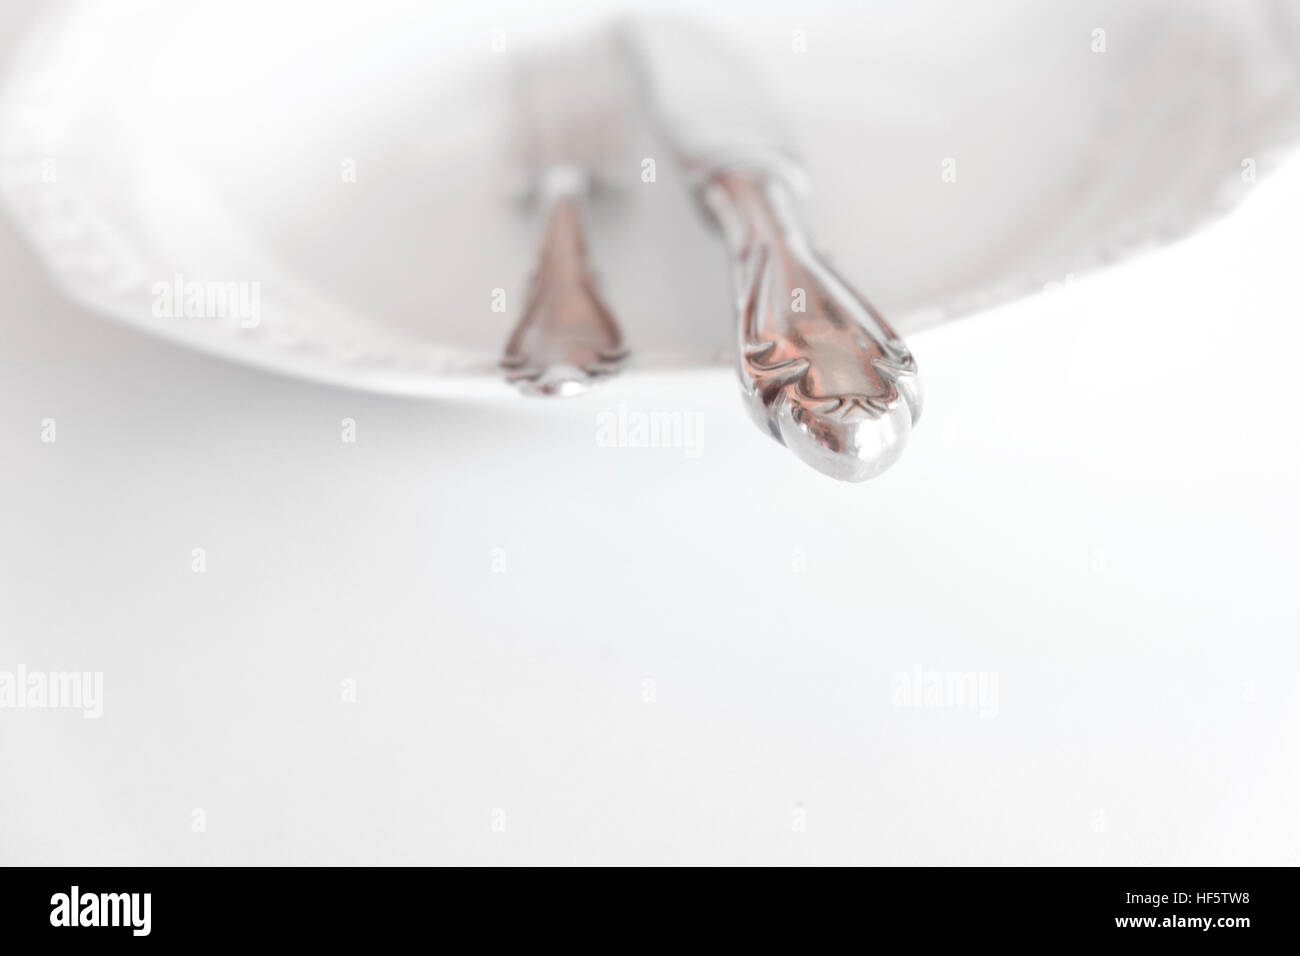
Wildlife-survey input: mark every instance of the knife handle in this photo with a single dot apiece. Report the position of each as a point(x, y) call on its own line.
point(566, 339)
point(820, 369)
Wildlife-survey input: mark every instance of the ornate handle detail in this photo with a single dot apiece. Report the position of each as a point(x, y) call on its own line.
point(821, 371)
point(566, 338)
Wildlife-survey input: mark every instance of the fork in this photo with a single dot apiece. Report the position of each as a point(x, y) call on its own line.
point(571, 113)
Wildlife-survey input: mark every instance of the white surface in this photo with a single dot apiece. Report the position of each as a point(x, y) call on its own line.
point(1099, 507)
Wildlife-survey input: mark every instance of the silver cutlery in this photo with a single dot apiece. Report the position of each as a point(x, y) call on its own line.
point(570, 115)
point(821, 371)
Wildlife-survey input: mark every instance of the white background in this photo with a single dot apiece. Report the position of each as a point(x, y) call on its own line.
point(1099, 508)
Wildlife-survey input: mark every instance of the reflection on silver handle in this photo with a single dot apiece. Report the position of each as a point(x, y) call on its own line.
point(822, 372)
point(566, 338)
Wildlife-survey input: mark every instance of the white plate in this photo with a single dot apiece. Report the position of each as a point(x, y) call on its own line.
point(212, 141)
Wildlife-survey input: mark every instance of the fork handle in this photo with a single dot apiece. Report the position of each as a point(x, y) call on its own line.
point(567, 338)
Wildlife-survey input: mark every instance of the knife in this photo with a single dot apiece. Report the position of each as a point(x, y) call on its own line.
point(821, 370)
